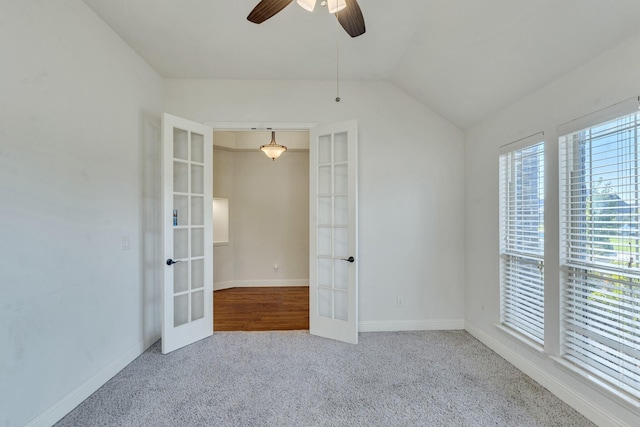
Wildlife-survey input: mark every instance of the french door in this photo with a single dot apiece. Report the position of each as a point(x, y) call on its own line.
point(333, 227)
point(188, 235)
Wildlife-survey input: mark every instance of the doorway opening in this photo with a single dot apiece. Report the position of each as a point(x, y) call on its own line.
point(187, 195)
point(261, 272)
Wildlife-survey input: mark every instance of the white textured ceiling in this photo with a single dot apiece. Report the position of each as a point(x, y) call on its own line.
point(465, 59)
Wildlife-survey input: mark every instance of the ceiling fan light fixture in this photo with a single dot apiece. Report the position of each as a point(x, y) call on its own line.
point(349, 15)
point(273, 150)
point(336, 5)
point(307, 4)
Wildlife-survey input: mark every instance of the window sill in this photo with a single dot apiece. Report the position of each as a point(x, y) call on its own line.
point(521, 339)
point(220, 244)
point(599, 384)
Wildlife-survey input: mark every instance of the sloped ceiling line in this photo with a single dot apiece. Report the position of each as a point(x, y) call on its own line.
point(465, 59)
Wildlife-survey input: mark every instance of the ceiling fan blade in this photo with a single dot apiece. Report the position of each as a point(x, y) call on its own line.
point(351, 19)
point(266, 9)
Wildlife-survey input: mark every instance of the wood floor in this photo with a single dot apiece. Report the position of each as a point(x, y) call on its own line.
point(261, 309)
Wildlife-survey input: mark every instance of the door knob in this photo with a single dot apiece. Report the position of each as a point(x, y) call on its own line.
point(171, 262)
point(350, 259)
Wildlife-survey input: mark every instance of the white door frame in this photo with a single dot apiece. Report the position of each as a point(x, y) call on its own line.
point(258, 127)
point(263, 126)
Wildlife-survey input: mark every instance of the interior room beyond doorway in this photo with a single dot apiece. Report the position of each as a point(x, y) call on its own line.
point(261, 274)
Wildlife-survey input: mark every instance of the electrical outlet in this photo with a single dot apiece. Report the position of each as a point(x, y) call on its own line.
point(400, 301)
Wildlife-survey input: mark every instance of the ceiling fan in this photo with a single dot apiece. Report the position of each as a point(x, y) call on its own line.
point(347, 11)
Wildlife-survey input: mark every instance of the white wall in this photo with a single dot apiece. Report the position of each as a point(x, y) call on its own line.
point(410, 185)
point(78, 122)
point(606, 80)
point(271, 217)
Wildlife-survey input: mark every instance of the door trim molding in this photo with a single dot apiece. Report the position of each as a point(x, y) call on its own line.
point(245, 126)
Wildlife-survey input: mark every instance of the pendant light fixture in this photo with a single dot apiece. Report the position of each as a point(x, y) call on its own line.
point(273, 150)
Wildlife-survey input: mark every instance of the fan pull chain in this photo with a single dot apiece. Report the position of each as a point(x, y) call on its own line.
point(337, 60)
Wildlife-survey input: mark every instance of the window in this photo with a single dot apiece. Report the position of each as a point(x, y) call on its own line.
point(600, 245)
point(522, 237)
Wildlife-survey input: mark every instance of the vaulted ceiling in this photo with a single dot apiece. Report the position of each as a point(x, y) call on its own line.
point(465, 59)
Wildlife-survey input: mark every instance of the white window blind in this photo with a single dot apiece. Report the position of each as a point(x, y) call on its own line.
point(522, 238)
point(600, 247)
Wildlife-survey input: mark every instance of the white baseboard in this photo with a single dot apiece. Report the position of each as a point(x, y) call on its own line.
point(65, 405)
point(587, 407)
point(410, 325)
point(259, 283)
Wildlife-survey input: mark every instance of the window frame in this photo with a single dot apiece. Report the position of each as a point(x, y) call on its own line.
point(521, 289)
point(585, 333)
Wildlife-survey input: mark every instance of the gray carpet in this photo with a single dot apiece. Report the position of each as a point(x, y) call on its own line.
point(434, 378)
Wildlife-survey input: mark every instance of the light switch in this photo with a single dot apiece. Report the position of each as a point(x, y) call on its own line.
point(125, 243)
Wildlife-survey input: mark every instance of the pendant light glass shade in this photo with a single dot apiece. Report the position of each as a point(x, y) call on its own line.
point(307, 4)
point(336, 5)
point(273, 150)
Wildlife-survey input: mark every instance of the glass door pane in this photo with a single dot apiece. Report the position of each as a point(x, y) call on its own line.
point(332, 221)
point(188, 224)
point(333, 279)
